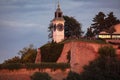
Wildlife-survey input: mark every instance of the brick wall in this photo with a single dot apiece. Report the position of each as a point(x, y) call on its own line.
point(81, 54)
point(24, 74)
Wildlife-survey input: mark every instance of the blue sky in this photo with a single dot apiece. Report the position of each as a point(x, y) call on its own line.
point(24, 22)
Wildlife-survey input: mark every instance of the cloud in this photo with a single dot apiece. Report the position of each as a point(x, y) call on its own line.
point(98, 3)
point(18, 6)
point(13, 24)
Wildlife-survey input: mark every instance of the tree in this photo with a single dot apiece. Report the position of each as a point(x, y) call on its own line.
point(107, 52)
point(105, 67)
point(50, 28)
point(110, 21)
point(72, 28)
point(28, 54)
point(99, 22)
point(73, 76)
point(89, 33)
point(40, 76)
point(104, 23)
point(15, 59)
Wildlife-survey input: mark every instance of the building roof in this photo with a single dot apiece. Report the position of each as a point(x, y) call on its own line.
point(117, 28)
point(103, 32)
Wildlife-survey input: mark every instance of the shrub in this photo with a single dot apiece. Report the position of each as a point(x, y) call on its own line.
point(73, 76)
point(107, 51)
point(40, 76)
point(105, 67)
point(11, 66)
point(30, 66)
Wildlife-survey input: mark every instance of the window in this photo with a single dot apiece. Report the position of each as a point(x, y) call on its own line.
point(60, 14)
point(55, 14)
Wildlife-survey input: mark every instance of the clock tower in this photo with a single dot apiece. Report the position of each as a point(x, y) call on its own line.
point(58, 25)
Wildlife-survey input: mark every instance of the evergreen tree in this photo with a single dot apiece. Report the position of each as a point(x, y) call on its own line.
point(110, 21)
point(89, 33)
point(104, 23)
point(99, 22)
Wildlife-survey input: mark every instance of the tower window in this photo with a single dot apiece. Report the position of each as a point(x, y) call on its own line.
point(59, 14)
point(55, 14)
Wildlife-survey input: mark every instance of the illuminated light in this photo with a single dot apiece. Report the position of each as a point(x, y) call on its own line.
point(116, 36)
point(104, 36)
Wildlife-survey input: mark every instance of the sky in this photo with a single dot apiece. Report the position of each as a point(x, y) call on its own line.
point(25, 22)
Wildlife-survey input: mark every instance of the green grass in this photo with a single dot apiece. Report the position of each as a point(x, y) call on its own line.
point(84, 40)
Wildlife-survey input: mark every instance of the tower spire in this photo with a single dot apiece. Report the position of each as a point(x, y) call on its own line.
point(58, 4)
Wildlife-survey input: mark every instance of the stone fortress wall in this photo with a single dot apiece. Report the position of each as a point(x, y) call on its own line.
point(81, 54)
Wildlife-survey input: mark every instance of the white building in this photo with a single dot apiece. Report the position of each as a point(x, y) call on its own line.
point(115, 35)
point(58, 25)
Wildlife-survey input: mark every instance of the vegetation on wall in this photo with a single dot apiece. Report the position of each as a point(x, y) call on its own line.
point(11, 66)
point(51, 52)
point(53, 66)
point(69, 56)
point(32, 66)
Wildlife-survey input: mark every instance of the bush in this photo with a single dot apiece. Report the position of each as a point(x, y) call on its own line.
point(11, 66)
point(107, 51)
point(73, 76)
point(105, 67)
point(40, 76)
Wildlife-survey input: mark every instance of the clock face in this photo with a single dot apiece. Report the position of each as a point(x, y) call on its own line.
point(60, 27)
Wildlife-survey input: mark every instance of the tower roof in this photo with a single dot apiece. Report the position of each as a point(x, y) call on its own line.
point(58, 4)
point(58, 13)
point(58, 8)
